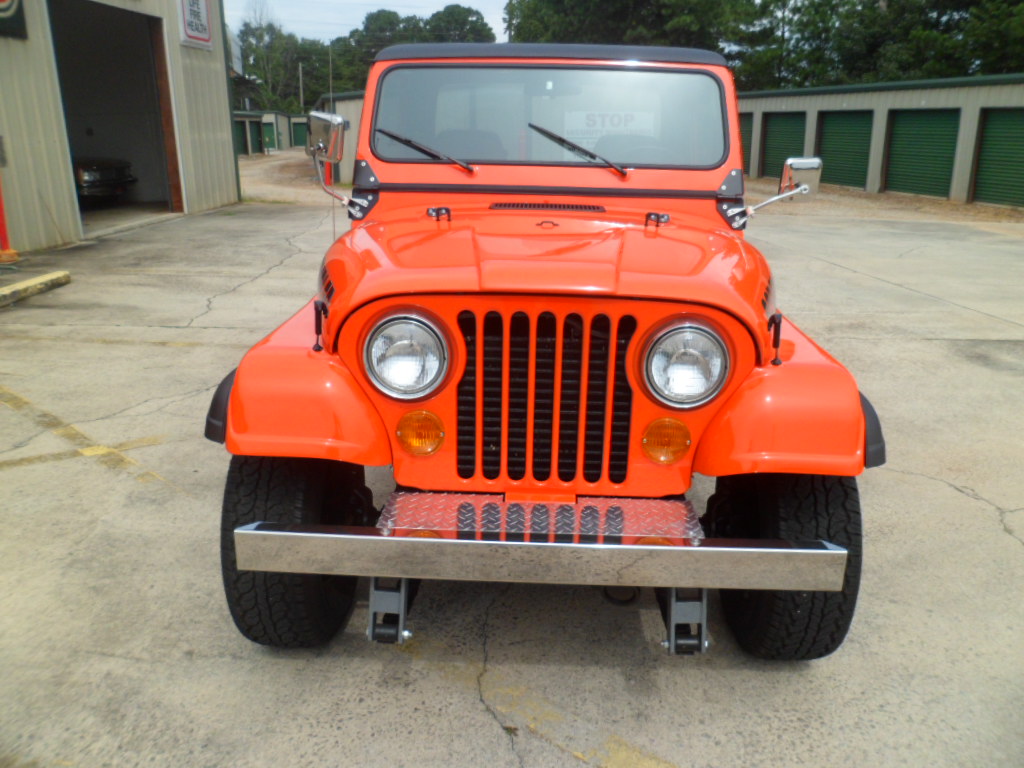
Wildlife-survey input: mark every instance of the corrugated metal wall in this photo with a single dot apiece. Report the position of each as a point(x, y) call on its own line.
point(38, 187)
point(351, 110)
point(38, 184)
point(202, 111)
point(969, 95)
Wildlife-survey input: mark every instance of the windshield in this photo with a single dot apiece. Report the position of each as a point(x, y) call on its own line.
point(483, 114)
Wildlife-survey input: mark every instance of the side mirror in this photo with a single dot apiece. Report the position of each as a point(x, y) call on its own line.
point(800, 176)
point(800, 172)
point(326, 136)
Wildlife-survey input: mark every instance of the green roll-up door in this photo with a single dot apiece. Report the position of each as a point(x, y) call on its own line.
point(783, 137)
point(239, 134)
point(999, 177)
point(269, 139)
point(844, 145)
point(298, 134)
point(922, 145)
point(255, 138)
point(746, 131)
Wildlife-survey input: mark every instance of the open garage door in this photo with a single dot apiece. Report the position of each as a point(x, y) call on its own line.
point(117, 108)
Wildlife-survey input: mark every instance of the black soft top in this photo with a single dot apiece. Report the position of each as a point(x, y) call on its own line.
point(549, 51)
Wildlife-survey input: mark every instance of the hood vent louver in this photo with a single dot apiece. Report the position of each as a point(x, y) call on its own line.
point(547, 207)
point(326, 284)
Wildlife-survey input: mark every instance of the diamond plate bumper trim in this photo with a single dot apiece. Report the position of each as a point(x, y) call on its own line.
point(717, 564)
point(592, 519)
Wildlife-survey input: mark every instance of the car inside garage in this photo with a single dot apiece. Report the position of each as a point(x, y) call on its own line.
point(114, 87)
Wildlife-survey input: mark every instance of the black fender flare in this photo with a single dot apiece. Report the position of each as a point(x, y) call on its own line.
point(217, 416)
point(874, 441)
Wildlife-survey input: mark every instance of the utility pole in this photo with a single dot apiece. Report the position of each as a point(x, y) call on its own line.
point(302, 100)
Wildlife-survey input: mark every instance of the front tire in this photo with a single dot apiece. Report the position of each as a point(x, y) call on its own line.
point(288, 610)
point(785, 625)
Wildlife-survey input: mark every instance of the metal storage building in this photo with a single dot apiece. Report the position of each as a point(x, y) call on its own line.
point(349, 105)
point(961, 138)
point(137, 80)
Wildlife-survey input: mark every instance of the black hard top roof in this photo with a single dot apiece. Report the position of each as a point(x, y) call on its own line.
point(549, 51)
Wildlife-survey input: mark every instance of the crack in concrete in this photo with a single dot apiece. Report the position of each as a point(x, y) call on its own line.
point(170, 400)
point(485, 632)
point(22, 443)
point(970, 493)
point(296, 250)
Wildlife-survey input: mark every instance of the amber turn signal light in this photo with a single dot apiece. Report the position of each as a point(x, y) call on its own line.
point(666, 441)
point(420, 433)
point(654, 541)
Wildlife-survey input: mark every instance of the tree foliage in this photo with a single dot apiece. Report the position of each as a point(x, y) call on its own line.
point(769, 43)
point(794, 43)
point(271, 56)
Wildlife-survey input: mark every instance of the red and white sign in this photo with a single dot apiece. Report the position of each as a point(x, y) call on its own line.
point(195, 24)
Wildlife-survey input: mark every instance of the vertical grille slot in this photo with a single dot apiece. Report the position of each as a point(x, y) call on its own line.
point(466, 441)
point(518, 393)
point(533, 388)
point(569, 408)
point(597, 393)
point(544, 396)
point(493, 370)
point(622, 404)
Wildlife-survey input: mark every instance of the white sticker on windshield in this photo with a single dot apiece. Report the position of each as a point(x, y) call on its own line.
point(585, 128)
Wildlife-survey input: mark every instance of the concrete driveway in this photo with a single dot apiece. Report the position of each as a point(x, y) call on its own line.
point(116, 648)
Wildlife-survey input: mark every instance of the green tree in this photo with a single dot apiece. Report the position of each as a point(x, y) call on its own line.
point(691, 23)
point(458, 24)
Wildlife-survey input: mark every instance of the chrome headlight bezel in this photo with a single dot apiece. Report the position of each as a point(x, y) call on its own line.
point(660, 393)
point(387, 387)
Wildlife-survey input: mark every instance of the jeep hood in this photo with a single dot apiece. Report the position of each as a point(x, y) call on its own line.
point(548, 252)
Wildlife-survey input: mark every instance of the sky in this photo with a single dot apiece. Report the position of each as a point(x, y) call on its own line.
point(328, 19)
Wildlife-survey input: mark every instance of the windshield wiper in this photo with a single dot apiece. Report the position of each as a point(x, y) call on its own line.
point(576, 149)
point(426, 150)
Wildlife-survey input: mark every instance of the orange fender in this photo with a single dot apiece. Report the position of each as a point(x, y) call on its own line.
point(803, 416)
point(288, 400)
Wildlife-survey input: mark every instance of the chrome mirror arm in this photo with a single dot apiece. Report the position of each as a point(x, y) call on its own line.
point(318, 163)
point(803, 189)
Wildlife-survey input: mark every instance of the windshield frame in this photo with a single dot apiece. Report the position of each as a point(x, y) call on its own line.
point(690, 70)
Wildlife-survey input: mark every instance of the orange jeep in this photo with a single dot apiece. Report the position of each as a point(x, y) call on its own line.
point(545, 318)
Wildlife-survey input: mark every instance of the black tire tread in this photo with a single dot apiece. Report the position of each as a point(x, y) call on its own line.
point(283, 610)
point(785, 625)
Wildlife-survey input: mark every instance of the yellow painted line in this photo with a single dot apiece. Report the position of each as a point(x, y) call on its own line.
point(95, 450)
point(41, 459)
point(109, 456)
point(92, 450)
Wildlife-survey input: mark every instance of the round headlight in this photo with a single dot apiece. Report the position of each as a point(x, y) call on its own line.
point(687, 366)
point(406, 357)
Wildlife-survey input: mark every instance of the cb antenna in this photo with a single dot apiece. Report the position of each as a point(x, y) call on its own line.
point(330, 90)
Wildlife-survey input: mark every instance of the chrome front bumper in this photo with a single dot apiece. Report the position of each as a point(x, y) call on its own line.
point(704, 563)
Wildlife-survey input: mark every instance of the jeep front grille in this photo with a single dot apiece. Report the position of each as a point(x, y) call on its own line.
point(572, 423)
